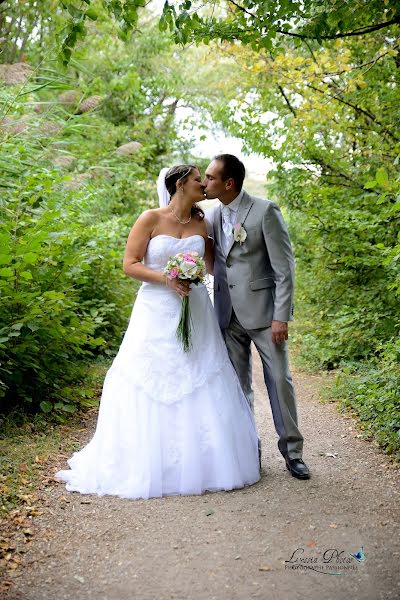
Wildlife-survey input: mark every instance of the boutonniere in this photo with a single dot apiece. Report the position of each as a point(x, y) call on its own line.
point(239, 233)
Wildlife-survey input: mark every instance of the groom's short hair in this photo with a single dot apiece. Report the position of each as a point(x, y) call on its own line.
point(232, 168)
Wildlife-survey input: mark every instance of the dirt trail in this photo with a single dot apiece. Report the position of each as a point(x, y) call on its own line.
point(233, 545)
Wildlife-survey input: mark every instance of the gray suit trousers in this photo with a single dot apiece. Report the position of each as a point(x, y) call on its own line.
point(277, 378)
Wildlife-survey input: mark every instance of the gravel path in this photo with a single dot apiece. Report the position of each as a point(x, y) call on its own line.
point(233, 545)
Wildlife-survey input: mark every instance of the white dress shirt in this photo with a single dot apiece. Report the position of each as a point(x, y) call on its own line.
point(229, 214)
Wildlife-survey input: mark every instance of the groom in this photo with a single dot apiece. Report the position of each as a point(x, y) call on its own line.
point(253, 294)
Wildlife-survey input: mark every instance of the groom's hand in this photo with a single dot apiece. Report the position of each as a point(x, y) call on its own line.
point(279, 331)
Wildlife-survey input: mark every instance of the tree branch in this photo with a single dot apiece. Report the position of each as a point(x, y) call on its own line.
point(371, 62)
point(331, 171)
point(361, 31)
point(280, 88)
point(311, 52)
point(243, 9)
point(357, 109)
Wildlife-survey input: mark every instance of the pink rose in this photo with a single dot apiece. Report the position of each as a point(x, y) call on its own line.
point(189, 259)
point(174, 273)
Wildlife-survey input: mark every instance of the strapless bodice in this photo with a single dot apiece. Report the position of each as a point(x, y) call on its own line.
point(162, 247)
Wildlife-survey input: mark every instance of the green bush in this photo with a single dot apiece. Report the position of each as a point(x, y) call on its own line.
point(372, 391)
point(70, 195)
point(63, 294)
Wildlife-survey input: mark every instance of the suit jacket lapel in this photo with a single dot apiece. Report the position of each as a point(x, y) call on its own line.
point(244, 209)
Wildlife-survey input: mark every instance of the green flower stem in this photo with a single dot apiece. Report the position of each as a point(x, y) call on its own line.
point(184, 331)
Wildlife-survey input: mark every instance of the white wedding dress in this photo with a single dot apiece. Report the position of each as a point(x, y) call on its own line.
point(169, 422)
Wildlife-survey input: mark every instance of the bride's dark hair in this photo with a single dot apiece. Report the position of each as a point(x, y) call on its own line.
point(181, 173)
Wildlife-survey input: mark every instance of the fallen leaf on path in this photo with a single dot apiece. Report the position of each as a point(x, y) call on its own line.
point(48, 480)
point(13, 573)
point(5, 585)
point(34, 512)
point(7, 545)
point(333, 526)
point(27, 498)
point(265, 568)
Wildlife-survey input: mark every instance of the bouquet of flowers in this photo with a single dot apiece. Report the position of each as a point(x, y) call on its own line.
point(186, 266)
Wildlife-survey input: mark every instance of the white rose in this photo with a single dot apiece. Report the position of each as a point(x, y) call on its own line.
point(189, 269)
point(239, 233)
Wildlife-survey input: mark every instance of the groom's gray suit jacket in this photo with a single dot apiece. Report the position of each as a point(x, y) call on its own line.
point(255, 278)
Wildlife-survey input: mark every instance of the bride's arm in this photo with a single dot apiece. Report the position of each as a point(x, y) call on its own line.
point(135, 250)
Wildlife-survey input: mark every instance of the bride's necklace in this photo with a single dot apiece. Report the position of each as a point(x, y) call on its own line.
point(178, 219)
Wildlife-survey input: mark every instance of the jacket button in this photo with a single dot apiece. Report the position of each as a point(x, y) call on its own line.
point(231, 286)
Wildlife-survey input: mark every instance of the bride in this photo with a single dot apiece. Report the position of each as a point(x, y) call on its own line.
point(170, 422)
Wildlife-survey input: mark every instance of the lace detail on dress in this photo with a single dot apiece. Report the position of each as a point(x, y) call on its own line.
point(162, 247)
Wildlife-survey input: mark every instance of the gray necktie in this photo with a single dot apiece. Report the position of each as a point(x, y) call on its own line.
point(226, 228)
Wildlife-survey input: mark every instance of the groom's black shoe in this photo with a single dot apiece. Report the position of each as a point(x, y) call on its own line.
point(297, 468)
point(259, 453)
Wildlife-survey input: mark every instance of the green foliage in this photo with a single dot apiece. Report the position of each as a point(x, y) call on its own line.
point(64, 24)
point(80, 152)
point(327, 119)
point(312, 85)
point(268, 25)
point(322, 104)
point(260, 25)
point(59, 280)
point(373, 393)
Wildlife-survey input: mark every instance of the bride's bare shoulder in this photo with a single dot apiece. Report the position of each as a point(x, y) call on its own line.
point(149, 217)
